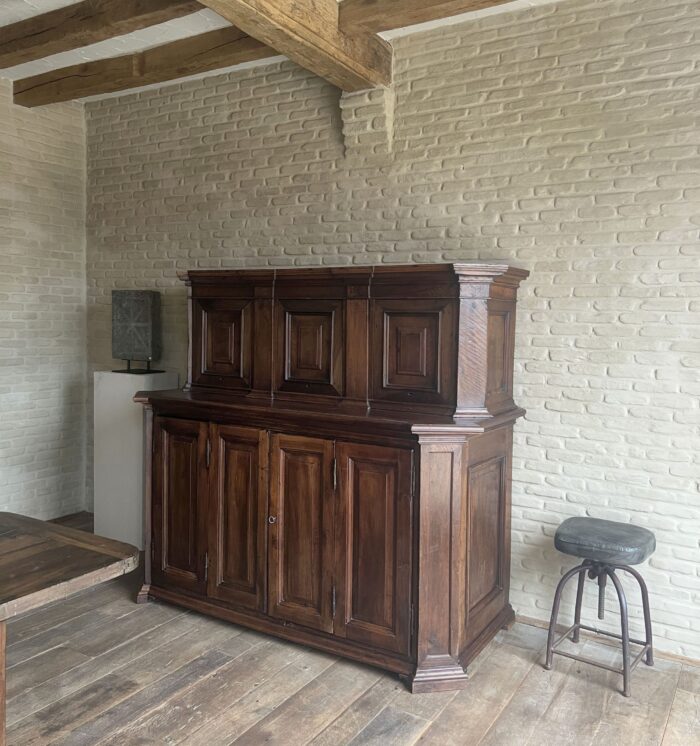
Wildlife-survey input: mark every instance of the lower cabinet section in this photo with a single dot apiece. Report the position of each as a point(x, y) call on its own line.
point(335, 543)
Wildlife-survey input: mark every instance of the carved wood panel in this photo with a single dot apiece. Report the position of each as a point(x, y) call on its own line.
point(301, 531)
point(413, 351)
point(374, 545)
point(310, 344)
point(179, 502)
point(222, 336)
point(485, 525)
point(238, 499)
point(500, 351)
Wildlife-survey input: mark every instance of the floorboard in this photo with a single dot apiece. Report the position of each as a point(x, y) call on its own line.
point(98, 669)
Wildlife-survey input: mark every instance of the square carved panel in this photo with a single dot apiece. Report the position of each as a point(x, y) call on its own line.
point(309, 342)
point(413, 351)
point(222, 335)
point(310, 346)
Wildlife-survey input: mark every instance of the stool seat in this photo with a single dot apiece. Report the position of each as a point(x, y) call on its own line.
point(603, 541)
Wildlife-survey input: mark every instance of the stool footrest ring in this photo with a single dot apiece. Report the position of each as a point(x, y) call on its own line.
point(599, 571)
point(598, 664)
point(591, 661)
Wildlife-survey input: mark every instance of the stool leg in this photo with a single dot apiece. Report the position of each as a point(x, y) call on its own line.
point(649, 657)
point(602, 577)
point(579, 600)
point(624, 631)
point(555, 611)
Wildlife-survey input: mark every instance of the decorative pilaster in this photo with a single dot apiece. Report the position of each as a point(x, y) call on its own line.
point(441, 562)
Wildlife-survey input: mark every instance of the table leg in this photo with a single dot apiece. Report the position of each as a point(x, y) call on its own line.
point(3, 640)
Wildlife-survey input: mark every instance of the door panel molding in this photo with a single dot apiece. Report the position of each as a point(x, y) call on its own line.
point(238, 507)
point(301, 531)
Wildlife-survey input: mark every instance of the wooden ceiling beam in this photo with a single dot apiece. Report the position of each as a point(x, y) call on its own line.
point(307, 32)
point(383, 15)
point(191, 56)
point(83, 23)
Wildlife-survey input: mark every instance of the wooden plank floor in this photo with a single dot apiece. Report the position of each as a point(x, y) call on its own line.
point(97, 669)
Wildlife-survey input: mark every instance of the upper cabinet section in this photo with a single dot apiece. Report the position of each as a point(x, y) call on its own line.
point(409, 340)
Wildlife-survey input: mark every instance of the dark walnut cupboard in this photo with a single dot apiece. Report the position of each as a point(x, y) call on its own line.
point(337, 470)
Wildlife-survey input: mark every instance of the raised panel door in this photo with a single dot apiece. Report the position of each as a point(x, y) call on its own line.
point(180, 483)
point(374, 545)
point(310, 346)
point(238, 502)
point(221, 339)
point(301, 531)
point(413, 351)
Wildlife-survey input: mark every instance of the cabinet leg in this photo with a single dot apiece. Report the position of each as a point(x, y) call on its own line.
point(439, 677)
point(3, 641)
point(143, 596)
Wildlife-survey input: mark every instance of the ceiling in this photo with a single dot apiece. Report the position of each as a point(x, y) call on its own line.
point(200, 22)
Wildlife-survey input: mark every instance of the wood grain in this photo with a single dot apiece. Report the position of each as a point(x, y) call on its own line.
point(42, 562)
point(265, 691)
point(191, 56)
point(63, 561)
point(683, 725)
point(312, 708)
point(383, 15)
point(143, 701)
point(276, 692)
point(80, 24)
point(307, 32)
point(175, 719)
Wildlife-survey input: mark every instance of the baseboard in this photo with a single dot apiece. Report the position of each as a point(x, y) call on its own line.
point(542, 624)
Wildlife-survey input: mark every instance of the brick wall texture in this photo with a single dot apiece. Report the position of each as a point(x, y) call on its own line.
point(565, 139)
point(42, 308)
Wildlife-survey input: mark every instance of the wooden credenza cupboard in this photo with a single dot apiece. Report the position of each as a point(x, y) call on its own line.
point(337, 469)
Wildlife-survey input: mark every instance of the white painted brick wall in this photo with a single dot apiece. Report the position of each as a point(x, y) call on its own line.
point(565, 139)
point(42, 308)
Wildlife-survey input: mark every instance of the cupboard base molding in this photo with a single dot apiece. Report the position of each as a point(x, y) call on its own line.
point(446, 674)
point(439, 679)
point(287, 631)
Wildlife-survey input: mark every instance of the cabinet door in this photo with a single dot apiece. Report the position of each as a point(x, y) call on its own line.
point(238, 502)
point(179, 503)
point(374, 540)
point(222, 342)
point(310, 346)
point(413, 345)
point(301, 531)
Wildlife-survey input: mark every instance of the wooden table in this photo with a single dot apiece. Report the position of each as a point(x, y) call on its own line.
point(42, 562)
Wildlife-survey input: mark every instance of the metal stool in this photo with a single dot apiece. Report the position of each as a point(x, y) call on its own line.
point(605, 546)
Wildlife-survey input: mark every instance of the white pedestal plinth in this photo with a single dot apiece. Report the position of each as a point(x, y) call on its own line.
point(118, 452)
